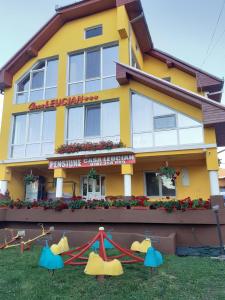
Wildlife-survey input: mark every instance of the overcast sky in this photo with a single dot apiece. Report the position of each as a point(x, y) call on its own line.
point(193, 30)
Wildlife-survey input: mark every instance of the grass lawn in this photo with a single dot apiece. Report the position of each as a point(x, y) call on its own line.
point(179, 278)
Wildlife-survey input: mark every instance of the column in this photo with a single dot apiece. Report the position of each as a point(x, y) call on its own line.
point(127, 172)
point(3, 187)
point(127, 185)
point(214, 183)
point(59, 187)
point(59, 174)
point(213, 167)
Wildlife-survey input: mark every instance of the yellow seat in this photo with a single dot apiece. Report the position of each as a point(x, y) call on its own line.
point(141, 247)
point(61, 247)
point(97, 266)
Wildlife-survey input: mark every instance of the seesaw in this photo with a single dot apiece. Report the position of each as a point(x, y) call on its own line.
point(25, 245)
point(15, 238)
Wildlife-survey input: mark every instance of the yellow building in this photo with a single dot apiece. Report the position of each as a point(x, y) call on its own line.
point(92, 75)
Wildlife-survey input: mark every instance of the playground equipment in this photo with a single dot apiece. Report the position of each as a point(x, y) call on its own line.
point(141, 247)
point(50, 261)
point(14, 238)
point(25, 245)
point(77, 259)
point(153, 259)
point(61, 247)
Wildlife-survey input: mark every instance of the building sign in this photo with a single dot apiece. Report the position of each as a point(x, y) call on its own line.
point(62, 102)
point(84, 162)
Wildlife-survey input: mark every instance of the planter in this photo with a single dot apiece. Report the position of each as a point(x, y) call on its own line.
point(112, 215)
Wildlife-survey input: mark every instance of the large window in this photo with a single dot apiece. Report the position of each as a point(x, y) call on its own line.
point(40, 83)
point(157, 125)
point(157, 186)
point(94, 122)
point(92, 70)
point(33, 134)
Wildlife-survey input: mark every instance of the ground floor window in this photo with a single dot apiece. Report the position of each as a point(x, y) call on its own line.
point(156, 185)
point(93, 188)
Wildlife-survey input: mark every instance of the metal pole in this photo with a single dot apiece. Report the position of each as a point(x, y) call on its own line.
point(219, 233)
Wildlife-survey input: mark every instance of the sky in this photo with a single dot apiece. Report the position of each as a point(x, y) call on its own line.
point(192, 30)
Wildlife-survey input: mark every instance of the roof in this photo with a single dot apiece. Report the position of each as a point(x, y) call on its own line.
point(84, 8)
point(205, 81)
point(213, 112)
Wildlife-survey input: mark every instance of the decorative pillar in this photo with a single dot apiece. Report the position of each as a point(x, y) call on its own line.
point(214, 183)
point(127, 172)
point(213, 167)
point(127, 185)
point(59, 187)
point(59, 174)
point(3, 187)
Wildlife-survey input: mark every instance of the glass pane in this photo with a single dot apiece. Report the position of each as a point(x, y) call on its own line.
point(92, 122)
point(36, 95)
point(142, 140)
point(168, 187)
point(141, 114)
point(18, 151)
point(34, 128)
point(49, 126)
point(103, 186)
point(184, 121)
point(37, 80)
point(191, 136)
point(92, 32)
point(111, 115)
point(19, 130)
point(166, 138)
point(22, 98)
point(23, 85)
point(93, 64)
point(110, 55)
point(97, 184)
point(90, 185)
point(152, 184)
point(76, 67)
point(75, 123)
point(50, 93)
point(84, 188)
point(161, 110)
point(47, 148)
point(52, 72)
point(33, 150)
point(75, 89)
point(93, 86)
point(165, 122)
point(40, 65)
point(110, 83)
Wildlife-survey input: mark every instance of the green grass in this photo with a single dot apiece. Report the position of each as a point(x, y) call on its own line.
point(179, 278)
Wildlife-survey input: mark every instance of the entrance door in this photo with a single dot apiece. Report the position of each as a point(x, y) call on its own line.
point(93, 188)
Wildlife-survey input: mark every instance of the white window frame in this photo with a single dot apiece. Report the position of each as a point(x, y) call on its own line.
point(30, 73)
point(153, 131)
point(90, 28)
point(84, 81)
point(41, 142)
point(89, 138)
point(160, 186)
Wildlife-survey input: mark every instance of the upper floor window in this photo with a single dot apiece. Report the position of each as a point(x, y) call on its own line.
point(93, 31)
point(92, 70)
point(33, 134)
point(94, 122)
point(157, 125)
point(40, 83)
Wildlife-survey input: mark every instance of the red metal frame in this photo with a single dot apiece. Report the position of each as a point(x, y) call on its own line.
point(101, 235)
